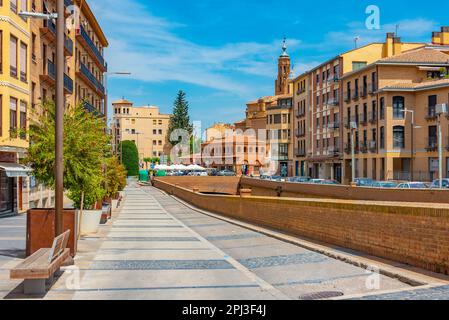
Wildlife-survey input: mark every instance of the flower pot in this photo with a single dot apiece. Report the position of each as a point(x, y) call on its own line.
point(90, 221)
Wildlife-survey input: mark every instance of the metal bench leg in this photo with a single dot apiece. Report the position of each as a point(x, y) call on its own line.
point(34, 286)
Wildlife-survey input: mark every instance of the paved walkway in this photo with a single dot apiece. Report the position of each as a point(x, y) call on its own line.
point(158, 248)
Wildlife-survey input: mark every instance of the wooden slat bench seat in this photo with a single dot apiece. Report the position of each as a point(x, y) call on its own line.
point(40, 268)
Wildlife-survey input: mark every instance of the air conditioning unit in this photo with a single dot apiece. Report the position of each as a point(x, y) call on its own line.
point(441, 108)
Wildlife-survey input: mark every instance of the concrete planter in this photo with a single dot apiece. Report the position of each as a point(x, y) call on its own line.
point(90, 221)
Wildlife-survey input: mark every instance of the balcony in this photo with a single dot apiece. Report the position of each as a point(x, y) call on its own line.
point(364, 91)
point(432, 144)
point(49, 76)
point(348, 148)
point(373, 117)
point(300, 114)
point(347, 96)
point(334, 150)
point(300, 133)
point(301, 91)
point(93, 51)
point(300, 152)
point(90, 79)
point(372, 145)
point(48, 32)
point(372, 88)
point(90, 108)
point(364, 147)
point(431, 114)
point(355, 96)
point(364, 119)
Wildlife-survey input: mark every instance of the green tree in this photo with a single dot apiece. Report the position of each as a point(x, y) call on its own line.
point(85, 148)
point(180, 118)
point(130, 157)
point(115, 177)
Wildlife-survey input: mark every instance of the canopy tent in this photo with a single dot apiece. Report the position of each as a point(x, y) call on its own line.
point(195, 167)
point(161, 167)
point(15, 170)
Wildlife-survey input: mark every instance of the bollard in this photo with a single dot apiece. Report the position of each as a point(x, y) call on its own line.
point(245, 192)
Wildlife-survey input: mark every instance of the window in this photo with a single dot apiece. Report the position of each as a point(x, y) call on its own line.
point(23, 7)
point(398, 107)
point(382, 137)
point(23, 62)
point(1, 113)
point(23, 119)
point(398, 137)
point(1, 51)
point(432, 106)
point(13, 6)
point(382, 108)
point(12, 115)
point(357, 65)
point(13, 56)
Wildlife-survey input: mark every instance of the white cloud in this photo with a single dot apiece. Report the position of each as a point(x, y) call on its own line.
point(149, 47)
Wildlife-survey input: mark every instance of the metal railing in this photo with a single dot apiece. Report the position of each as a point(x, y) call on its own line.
point(93, 47)
point(84, 70)
point(432, 144)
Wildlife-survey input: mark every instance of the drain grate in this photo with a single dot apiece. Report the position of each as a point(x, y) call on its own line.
point(321, 295)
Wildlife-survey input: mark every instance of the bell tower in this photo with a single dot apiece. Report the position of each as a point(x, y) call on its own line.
point(281, 84)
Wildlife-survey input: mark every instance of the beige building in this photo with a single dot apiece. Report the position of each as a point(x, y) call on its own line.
point(218, 130)
point(145, 126)
point(395, 116)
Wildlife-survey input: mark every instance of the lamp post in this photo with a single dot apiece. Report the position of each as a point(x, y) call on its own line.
point(412, 133)
point(353, 127)
point(441, 110)
point(60, 102)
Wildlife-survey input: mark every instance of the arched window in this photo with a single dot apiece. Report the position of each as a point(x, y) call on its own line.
point(398, 137)
point(398, 107)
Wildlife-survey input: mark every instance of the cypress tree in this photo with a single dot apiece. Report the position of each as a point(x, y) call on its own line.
point(180, 118)
point(130, 157)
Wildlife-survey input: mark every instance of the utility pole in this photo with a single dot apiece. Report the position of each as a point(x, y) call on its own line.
point(59, 118)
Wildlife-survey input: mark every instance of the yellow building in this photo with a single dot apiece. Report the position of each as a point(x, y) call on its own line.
point(218, 130)
point(395, 116)
point(14, 102)
point(145, 126)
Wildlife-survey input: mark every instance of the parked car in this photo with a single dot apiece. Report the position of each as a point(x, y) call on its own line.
point(264, 177)
point(385, 184)
point(323, 181)
point(436, 184)
point(226, 173)
point(277, 178)
point(364, 182)
point(413, 185)
point(299, 179)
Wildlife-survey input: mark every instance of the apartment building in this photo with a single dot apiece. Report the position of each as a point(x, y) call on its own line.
point(218, 130)
point(14, 104)
point(325, 107)
point(28, 78)
point(392, 104)
point(301, 127)
point(145, 126)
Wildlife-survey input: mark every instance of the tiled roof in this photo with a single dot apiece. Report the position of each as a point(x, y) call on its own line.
point(122, 101)
point(421, 55)
point(418, 85)
point(269, 99)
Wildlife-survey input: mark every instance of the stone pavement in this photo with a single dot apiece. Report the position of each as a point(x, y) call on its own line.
point(159, 248)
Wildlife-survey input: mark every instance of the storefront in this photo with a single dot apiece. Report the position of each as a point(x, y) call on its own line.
point(10, 196)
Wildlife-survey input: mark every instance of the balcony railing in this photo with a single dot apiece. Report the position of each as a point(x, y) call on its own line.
point(92, 46)
point(372, 88)
point(432, 144)
point(363, 91)
point(85, 71)
point(431, 114)
point(355, 95)
point(51, 72)
point(363, 119)
point(364, 147)
point(300, 152)
point(90, 108)
point(347, 96)
point(372, 145)
point(373, 117)
point(300, 133)
point(68, 43)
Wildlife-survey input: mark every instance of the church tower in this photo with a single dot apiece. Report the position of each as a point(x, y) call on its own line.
point(281, 84)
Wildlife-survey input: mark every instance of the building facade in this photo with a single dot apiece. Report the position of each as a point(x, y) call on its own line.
point(27, 79)
point(145, 126)
point(395, 121)
point(301, 101)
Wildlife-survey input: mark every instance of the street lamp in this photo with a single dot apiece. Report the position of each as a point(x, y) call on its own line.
point(59, 112)
point(441, 110)
point(413, 127)
point(353, 127)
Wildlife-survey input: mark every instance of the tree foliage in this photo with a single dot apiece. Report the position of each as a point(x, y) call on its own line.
point(115, 177)
point(86, 146)
point(180, 118)
point(130, 158)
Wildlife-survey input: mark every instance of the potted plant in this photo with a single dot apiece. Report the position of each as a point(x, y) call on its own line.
point(115, 180)
point(85, 150)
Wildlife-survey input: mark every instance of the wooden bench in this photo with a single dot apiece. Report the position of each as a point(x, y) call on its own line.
point(40, 268)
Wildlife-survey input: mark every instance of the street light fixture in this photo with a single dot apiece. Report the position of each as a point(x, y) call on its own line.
point(413, 127)
point(60, 102)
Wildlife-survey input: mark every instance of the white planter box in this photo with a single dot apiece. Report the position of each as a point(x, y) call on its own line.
point(90, 221)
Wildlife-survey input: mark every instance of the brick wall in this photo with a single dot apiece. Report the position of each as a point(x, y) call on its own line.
point(408, 233)
point(225, 185)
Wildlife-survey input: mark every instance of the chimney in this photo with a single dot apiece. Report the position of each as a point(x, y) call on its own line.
point(389, 44)
point(397, 46)
point(436, 37)
point(444, 38)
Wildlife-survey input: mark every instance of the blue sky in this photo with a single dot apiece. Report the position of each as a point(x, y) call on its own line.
point(224, 53)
